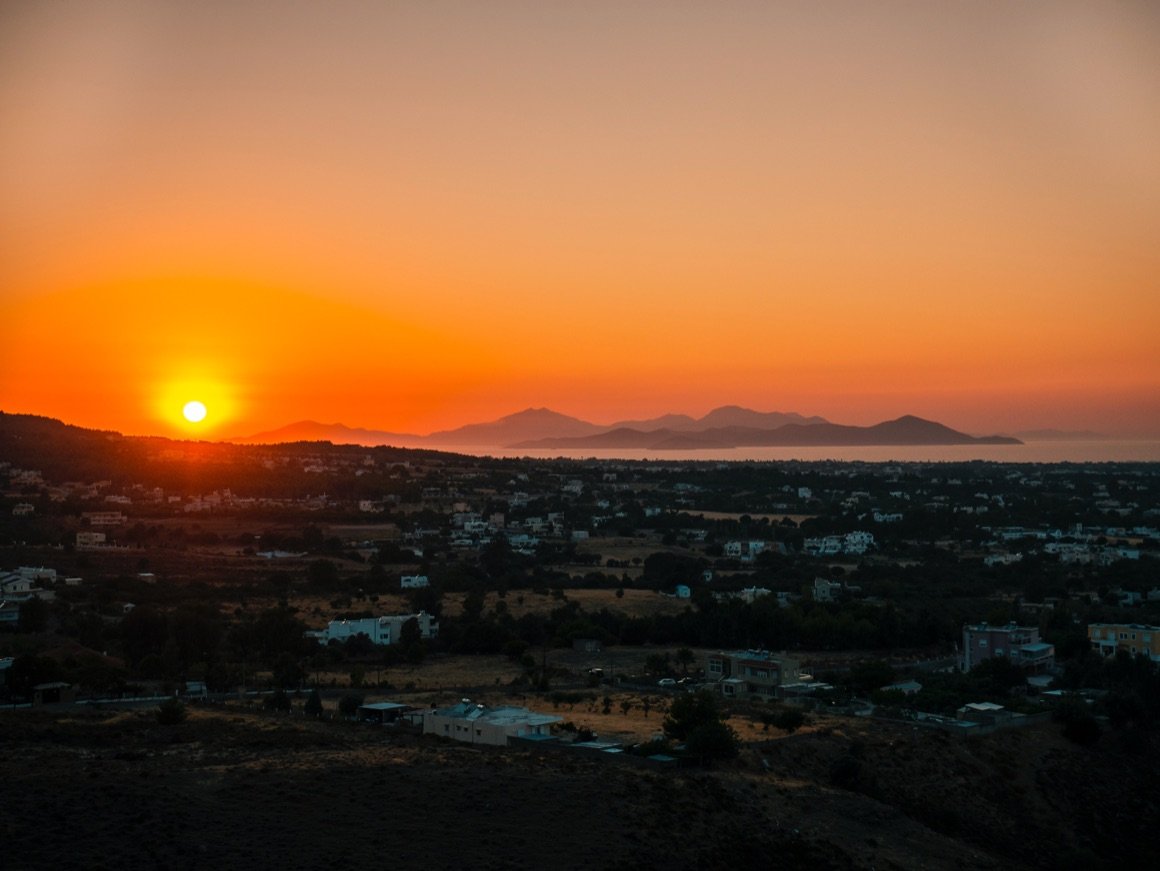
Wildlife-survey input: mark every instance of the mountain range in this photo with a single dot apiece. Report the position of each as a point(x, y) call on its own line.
point(725, 427)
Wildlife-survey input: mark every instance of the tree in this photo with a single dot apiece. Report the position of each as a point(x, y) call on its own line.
point(349, 704)
point(277, 701)
point(657, 663)
point(685, 657)
point(698, 721)
point(789, 719)
point(313, 706)
point(713, 740)
point(34, 615)
point(689, 711)
point(288, 672)
point(411, 641)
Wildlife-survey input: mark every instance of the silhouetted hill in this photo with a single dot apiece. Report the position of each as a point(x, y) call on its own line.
point(665, 421)
point(63, 452)
point(734, 415)
point(542, 427)
point(532, 423)
point(336, 433)
point(908, 430)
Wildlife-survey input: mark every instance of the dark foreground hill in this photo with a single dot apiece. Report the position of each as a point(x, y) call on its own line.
point(230, 789)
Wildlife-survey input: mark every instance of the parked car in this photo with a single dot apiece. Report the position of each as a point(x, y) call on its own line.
point(666, 682)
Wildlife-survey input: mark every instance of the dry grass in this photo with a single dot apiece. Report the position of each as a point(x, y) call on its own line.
point(634, 603)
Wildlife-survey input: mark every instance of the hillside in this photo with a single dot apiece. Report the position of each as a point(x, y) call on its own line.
point(229, 788)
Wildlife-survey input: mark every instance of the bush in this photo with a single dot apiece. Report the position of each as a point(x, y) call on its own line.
point(789, 720)
point(349, 704)
point(278, 701)
point(655, 747)
point(712, 740)
point(696, 720)
point(313, 706)
point(171, 712)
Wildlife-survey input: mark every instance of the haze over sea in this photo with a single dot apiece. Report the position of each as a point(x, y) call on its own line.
point(1095, 451)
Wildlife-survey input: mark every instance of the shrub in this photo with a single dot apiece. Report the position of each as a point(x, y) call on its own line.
point(313, 706)
point(789, 719)
point(349, 704)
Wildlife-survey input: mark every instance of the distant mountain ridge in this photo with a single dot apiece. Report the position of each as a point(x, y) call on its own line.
point(725, 427)
point(544, 422)
point(336, 433)
point(904, 431)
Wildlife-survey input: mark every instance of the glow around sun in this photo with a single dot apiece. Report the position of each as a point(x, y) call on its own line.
point(194, 411)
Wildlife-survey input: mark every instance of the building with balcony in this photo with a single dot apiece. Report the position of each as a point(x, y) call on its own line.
point(746, 673)
point(1108, 639)
point(1021, 644)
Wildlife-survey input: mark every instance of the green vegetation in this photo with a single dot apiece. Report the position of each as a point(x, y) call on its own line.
point(697, 720)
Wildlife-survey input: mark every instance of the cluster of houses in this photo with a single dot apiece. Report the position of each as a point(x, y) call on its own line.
point(25, 583)
point(1078, 545)
point(854, 543)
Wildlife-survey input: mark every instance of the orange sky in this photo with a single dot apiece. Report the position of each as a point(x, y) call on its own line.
point(410, 216)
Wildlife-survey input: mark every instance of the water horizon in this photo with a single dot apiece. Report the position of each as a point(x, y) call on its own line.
point(1045, 452)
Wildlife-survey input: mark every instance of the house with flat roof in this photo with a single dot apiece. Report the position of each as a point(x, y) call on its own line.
point(1021, 644)
point(745, 673)
point(1108, 639)
point(474, 723)
point(380, 630)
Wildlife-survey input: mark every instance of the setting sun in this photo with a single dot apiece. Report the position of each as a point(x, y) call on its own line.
point(194, 411)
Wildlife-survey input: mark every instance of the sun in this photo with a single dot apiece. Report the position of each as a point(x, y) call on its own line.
point(194, 411)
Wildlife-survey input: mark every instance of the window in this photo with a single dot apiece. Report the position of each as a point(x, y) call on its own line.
point(983, 643)
point(715, 666)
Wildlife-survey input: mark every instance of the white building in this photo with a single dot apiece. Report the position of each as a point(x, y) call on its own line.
point(858, 542)
point(478, 724)
point(380, 630)
point(87, 540)
point(826, 591)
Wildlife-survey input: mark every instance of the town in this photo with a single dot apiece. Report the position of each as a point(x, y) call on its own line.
point(549, 606)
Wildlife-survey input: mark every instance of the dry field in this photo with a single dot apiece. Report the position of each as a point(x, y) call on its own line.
point(634, 603)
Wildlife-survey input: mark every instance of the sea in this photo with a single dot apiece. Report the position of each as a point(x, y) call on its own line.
point(1096, 451)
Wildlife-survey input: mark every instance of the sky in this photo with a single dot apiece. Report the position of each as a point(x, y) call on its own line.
point(410, 216)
